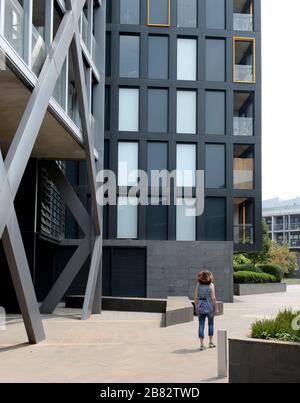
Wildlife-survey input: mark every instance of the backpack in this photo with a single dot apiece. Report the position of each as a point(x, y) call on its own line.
point(204, 306)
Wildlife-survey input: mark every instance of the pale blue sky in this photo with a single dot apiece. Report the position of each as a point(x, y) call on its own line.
point(281, 98)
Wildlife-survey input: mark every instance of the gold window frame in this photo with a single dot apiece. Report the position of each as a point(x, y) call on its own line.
point(243, 39)
point(159, 25)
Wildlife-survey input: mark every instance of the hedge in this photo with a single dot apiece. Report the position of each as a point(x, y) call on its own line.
point(248, 268)
point(274, 270)
point(248, 277)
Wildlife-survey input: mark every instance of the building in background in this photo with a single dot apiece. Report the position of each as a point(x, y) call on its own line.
point(283, 220)
point(183, 91)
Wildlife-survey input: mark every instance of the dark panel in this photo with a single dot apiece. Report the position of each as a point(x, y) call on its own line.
point(215, 59)
point(187, 13)
point(215, 14)
point(128, 273)
point(215, 219)
point(215, 112)
point(215, 166)
point(158, 110)
point(130, 12)
point(157, 223)
point(158, 51)
point(129, 56)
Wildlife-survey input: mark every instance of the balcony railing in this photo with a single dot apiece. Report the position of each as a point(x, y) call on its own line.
point(85, 30)
point(243, 126)
point(14, 25)
point(243, 22)
point(279, 227)
point(94, 48)
point(38, 51)
point(295, 226)
point(244, 234)
point(295, 243)
point(243, 73)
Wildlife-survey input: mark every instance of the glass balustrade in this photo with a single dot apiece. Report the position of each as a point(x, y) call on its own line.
point(14, 25)
point(38, 51)
point(85, 31)
point(243, 126)
point(244, 234)
point(243, 73)
point(242, 22)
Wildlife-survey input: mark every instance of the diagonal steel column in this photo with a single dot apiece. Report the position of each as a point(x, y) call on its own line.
point(18, 264)
point(67, 277)
point(92, 281)
point(95, 269)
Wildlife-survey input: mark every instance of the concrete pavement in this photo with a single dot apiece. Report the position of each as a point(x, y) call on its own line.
point(126, 347)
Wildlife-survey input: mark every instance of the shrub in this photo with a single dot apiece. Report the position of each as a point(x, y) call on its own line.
point(247, 267)
point(240, 259)
point(274, 270)
point(280, 255)
point(280, 328)
point(248, 277)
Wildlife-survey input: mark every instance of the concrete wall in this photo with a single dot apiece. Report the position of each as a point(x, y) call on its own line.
point(254, 289)
point(256, 361)
point(172, 266)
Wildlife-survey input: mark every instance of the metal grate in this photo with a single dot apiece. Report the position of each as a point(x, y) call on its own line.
point(52, 220)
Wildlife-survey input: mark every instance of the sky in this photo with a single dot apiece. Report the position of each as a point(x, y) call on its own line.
point(281, 98)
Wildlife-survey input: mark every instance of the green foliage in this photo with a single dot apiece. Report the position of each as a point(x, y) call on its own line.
point(274, 270)
point(248, 277)
point(280, 328)
point(240, 259)
point(247, 267)
point(280, 255)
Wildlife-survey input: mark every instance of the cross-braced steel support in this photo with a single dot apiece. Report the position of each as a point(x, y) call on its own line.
point(12, 171)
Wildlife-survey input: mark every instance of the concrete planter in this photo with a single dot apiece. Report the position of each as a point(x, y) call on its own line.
point(259, 361)
point(254, 289)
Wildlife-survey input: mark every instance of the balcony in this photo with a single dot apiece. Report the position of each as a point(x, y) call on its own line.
point(279, 227)
point(243, 22)
point(243, 73)
point(243, 126)
point(295, 226)
point(295, 243)
point(244, 234)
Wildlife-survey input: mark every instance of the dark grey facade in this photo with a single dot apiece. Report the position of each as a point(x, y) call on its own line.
point(222, 42)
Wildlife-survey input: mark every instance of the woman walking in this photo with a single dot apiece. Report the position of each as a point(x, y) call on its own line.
point(206, 306)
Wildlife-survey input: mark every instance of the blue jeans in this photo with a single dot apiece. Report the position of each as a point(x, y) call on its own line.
point(211, 325)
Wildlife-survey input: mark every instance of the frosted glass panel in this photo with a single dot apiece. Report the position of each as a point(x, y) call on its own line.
point(186, 112)
point(127, 218)
point(187, 59)
point(128, 110)
point(186, 165)
point(128, 160)
point(186, 220)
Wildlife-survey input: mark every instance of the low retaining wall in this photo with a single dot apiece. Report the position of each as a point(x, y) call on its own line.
point(179, 310)
point(254, 289)
point(259, 361)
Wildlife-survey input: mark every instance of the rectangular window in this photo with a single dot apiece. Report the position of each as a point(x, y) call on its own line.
point(130, 12)
point(157, 156)
point(243, 121)
point(186, 112)
point(215, 14)
point(187, 13)
point(186, 219)
point(215, 59)
point(243, 15)
point(158, 110)
point(107, 109)
point(158, 51)
point(243, 166)
point(215, 162)
point(215, 116)
point(159, 13)
point(243, 221)
point(128, 110)
point(129, 56)
point(244, 59)
point(186, 59)
point(215, 219)
point(127, 218)
point(128, 163)
point(157, 220)
point(186, 165)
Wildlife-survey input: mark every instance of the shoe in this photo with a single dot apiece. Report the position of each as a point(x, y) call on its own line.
point(202, 348)
point(212, 345)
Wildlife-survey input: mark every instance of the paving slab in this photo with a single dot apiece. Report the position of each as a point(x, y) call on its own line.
point(126, 346)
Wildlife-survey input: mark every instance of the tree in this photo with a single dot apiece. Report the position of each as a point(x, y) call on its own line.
point(280, 255)
point(262, 256)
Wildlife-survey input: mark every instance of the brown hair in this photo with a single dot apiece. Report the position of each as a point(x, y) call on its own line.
point(205, 278)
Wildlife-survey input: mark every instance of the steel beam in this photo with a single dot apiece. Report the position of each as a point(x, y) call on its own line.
point(67, 277)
